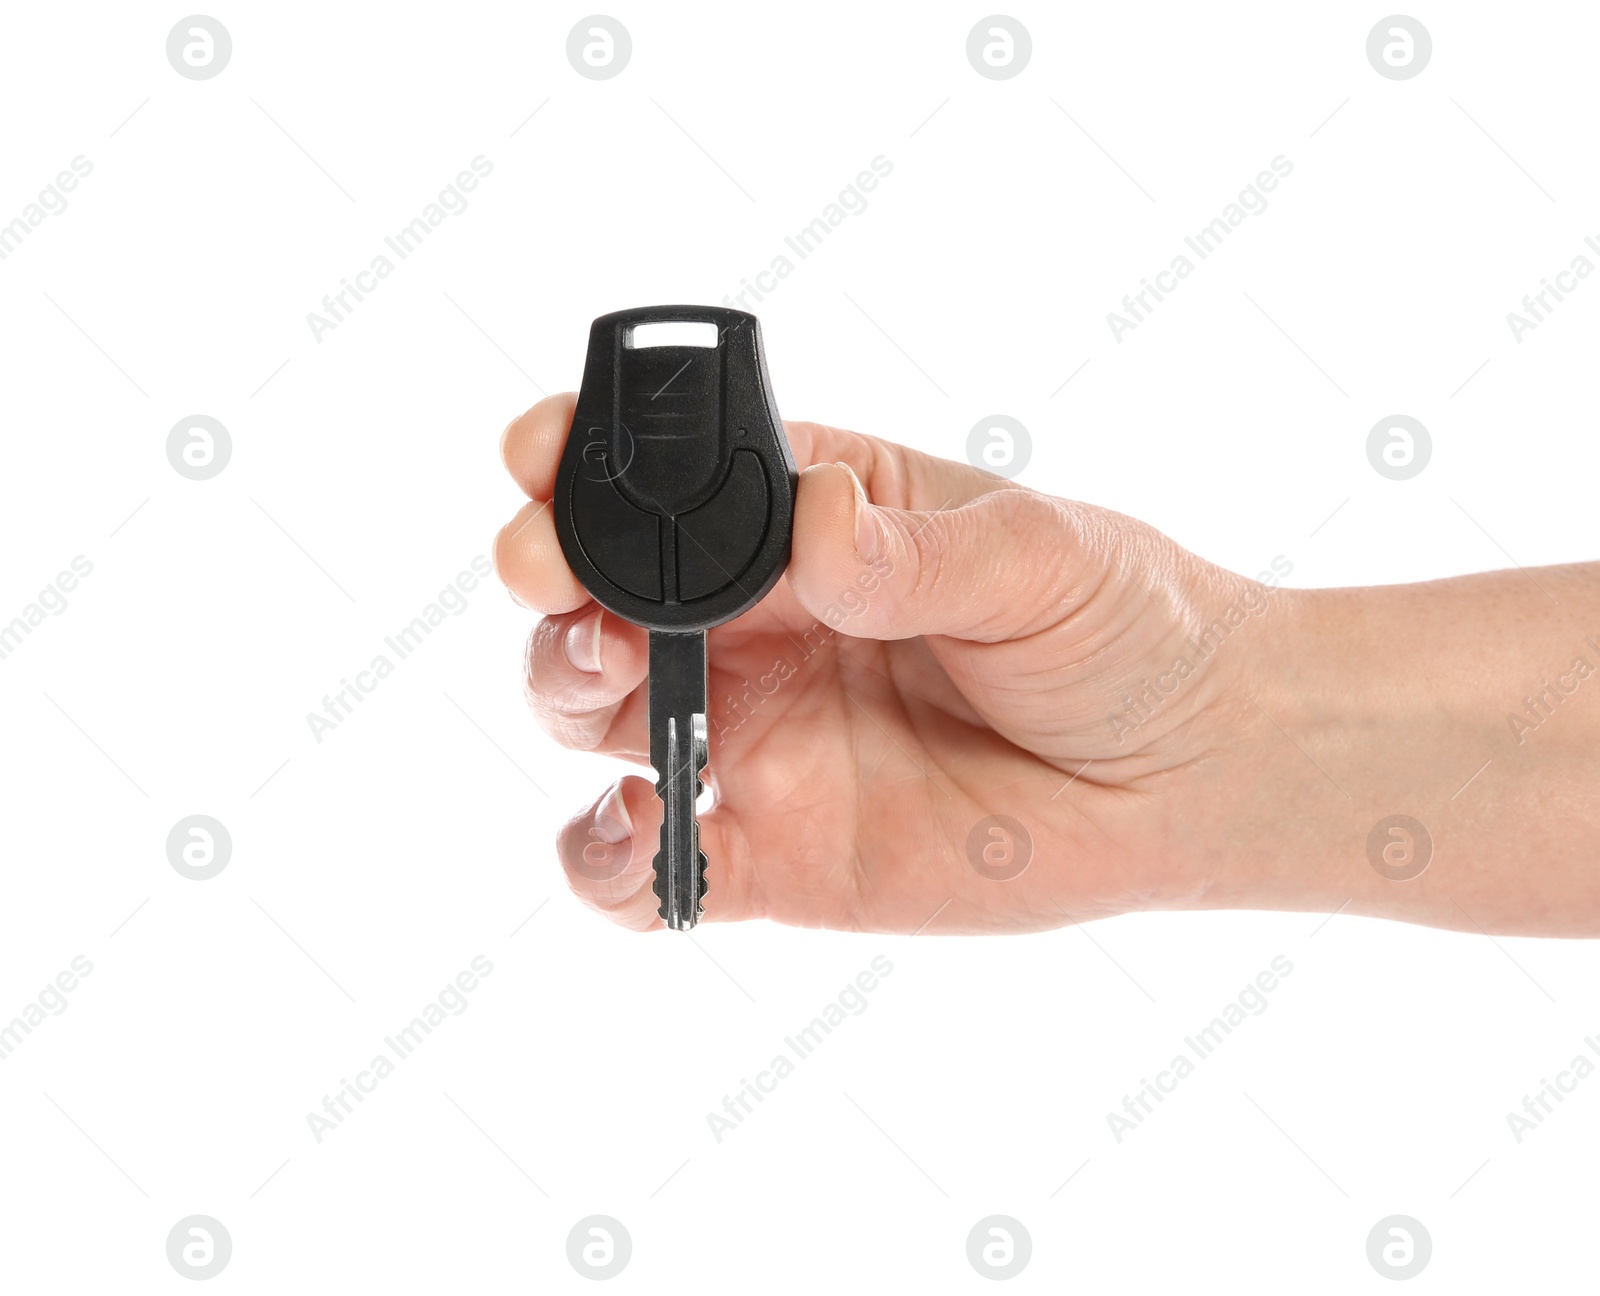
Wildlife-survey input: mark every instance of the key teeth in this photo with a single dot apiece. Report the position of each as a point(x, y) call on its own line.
point(658, 882)
point(657, 888)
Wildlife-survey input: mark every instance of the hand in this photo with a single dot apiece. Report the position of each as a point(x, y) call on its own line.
point(946, 647)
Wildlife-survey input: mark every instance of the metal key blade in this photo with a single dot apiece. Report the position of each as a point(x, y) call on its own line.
point(677, 700)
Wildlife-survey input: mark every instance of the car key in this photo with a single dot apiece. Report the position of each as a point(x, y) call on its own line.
point(674, 505)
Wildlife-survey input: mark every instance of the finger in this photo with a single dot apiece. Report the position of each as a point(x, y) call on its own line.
point(607, 710)
point(582, 672)
point(531, 444)
point(609, 851)
point(892, 474)
point(999, 567)
point(528, 558)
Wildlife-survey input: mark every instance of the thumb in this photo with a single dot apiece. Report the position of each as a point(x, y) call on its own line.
point(1004, 565)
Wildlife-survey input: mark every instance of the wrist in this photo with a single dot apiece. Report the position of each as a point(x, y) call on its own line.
point(1269, 806)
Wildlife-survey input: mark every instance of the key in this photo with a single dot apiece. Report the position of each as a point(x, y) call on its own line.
point(674, 505)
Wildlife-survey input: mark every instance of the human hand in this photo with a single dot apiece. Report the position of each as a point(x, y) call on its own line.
point(947, 647)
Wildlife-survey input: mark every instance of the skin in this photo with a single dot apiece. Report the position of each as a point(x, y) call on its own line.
point(947, 647)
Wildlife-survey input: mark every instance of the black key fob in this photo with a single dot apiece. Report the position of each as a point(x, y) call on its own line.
point(674, 500)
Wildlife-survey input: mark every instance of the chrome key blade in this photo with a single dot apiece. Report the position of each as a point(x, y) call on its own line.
point(685, 865)
point(678, 750)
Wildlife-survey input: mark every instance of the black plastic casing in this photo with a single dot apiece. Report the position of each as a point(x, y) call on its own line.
point(674, 498)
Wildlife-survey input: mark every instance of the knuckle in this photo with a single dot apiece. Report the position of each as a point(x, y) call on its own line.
point(928, 543)
point(572, 728)
point(584, 731)
point(631, 907)
point(881, 469)
point(1027, 514)
point(562, 720)
point(537, 653)
point(580, 712)
point(1007, 543)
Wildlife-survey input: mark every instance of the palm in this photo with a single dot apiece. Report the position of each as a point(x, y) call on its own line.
point(850, 791)
point(865, 775)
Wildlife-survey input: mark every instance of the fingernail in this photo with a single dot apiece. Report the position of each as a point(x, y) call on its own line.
point(611, 822)
point(582, 642)
point(869, 531)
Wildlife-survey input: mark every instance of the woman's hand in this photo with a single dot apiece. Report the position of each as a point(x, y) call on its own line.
point(950, 657)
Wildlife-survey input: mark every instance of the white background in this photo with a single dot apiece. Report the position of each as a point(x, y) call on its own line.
point(370, 868)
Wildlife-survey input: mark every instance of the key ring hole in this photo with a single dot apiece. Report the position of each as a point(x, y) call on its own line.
point(693, 333)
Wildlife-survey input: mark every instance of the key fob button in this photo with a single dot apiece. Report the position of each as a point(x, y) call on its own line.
point(618, 538)
point(719, 540)
point(671, 408)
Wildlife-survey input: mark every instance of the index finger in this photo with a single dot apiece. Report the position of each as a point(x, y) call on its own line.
point(531, 444)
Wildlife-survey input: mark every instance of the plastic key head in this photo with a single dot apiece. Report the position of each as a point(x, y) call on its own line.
point(674, 499)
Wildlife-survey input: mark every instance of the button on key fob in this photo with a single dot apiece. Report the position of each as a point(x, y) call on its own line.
point(674, 504)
